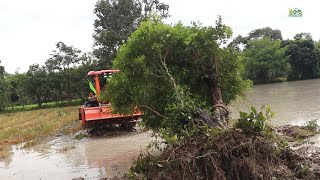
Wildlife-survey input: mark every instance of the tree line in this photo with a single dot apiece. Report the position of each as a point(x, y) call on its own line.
point(62, 77)
point(267, 57)
point(263, 56)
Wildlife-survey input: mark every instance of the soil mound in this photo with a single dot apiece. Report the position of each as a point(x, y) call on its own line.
point(230, 154)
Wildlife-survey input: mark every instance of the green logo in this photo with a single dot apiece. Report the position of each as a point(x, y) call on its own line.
point(295, 12)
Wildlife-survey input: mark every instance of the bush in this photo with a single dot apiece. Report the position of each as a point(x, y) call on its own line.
point(312, 125)
point(255, 120)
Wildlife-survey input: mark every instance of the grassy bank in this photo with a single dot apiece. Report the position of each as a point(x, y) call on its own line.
point(36, 124)
point(44, 105)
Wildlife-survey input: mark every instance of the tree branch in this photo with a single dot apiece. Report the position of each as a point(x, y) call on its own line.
point(163, 62)
point(154, 111)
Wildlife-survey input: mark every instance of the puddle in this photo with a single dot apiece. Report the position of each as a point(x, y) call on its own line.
point(67, 158)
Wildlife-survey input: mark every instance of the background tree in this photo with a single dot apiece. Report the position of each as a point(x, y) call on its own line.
point(241, 42)
point(60, 67)
point(304, 58)
point(265, 60)
point(2, 71)
point(303, 36)
point(273, 34)
point(162, 63)
point(80, 87)
point(13, 94)
point(4, 89)
point(37, 85)
point(116, 20)
point(18, 84)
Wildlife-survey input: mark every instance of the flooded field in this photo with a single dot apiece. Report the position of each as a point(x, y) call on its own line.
point(293, 102)
point(66, 158)
point(103, 157)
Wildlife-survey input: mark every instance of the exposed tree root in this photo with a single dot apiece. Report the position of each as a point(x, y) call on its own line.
point(230, 154)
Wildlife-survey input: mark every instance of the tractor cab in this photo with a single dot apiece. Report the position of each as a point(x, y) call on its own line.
point(98, 79)
point(100, 112)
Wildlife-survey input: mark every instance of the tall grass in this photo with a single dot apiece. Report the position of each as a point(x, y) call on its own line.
point(36, 124)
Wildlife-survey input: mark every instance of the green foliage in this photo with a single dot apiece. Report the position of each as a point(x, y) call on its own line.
point(63, 57)
point(64, 74)
point(242, 42)
point(4, 94)
point(304, 58)
point(269, 58)
point(312, 125)
point(4, 89)
point(171, 70)
point(180, 113)
point(303, 36)
point(80, 136)
point(60, 68)
point(265, 61)
point(302, 170)
point(142, 165)
point(273, 34)
point(61, 79)
point(2, 71)
point(18, 83)
point(255, 120)
point(116, 20)
point(36, 83)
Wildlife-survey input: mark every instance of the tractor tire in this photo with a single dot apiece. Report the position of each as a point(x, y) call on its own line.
point(128, 126)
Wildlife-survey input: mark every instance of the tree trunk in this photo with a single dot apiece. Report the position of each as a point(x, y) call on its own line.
point(221, 112)
point(216, 95)
point(39, 102)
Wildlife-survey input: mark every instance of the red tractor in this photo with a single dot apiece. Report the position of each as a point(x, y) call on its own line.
point(98, 113)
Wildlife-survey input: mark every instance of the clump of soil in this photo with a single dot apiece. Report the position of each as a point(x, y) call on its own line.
point(292, 133)
point(230, 154)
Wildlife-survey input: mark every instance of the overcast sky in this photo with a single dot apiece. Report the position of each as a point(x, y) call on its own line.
point(30, 29)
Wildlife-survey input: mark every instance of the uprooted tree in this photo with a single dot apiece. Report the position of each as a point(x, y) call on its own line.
point(173, 73)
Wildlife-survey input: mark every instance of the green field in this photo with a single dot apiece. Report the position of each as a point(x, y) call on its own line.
point(44, 105)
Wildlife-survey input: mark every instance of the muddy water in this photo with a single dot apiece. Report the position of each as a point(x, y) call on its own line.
point(95, 158)
point(293, 102)
point(67, 158)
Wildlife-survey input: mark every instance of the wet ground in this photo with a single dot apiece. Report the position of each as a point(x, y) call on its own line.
point(66, 158)
point(105, 156)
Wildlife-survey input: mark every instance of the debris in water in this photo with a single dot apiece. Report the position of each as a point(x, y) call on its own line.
point(66, 148)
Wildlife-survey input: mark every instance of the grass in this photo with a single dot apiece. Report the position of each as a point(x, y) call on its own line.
point(4, 152)
point(43, 105)
point(80, 136)
point(37, 124)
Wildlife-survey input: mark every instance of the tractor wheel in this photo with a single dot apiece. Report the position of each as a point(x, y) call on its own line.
point(128, 126)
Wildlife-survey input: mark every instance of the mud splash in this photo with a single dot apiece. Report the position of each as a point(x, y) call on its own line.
point(67, 158)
